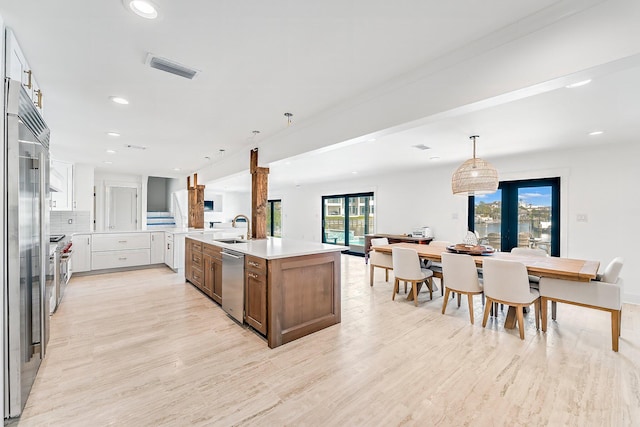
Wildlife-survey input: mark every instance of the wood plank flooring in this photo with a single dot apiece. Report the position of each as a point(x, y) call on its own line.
point(143, 348)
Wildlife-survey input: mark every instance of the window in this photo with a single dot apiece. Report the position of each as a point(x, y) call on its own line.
point(274, 218)
point(520, 214)
point(346, 219)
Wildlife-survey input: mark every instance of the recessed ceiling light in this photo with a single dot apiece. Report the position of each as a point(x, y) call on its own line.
point(176, 169)
point(119, 100)
point(434, 158)
point(106, 162)
point(111, 151)
point(142, 8)
point(115, 134)
point(371, 140)
point(354, 172)
point(578, 84)
point(596, 132)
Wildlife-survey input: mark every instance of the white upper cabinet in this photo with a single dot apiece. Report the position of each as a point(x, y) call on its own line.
point(61, 183)
point(17, 68)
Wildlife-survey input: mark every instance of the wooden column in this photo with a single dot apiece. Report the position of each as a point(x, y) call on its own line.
point(259, 194)
point(196, 203)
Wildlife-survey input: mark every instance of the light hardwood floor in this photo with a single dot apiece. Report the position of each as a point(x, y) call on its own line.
point(143, 348)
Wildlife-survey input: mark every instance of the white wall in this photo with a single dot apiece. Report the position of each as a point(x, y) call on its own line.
point(2, 208)
point(102, 179)
point(235, 203)
point(599, 182)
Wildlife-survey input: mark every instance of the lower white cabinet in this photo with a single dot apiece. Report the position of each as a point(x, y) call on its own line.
point(81, 253)
point(118, 259)
point(117, 250)
point(168, 250)
point(157, 247)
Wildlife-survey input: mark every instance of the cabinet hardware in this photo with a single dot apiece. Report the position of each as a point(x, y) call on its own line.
point(38, 101)
point(28, 73)
point(122, 241)
point(122, 258)
point(252, 275)
point(254, 264)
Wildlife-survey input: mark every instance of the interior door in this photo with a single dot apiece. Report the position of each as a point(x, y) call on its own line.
point(123, 208)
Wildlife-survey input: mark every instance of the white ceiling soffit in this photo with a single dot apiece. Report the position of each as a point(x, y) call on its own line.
point(346, 71)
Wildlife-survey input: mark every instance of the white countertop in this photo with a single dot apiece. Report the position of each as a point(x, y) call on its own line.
point(274, 248)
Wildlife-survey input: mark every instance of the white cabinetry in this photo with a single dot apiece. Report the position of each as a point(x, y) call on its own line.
point(120, 250)
point(168, 250)
point(157, 247)
point(83, 181)
point(17, 68)
point(61, 182)
point(81, 253)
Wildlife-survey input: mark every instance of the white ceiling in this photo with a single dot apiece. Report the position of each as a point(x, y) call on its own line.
point(261, 59)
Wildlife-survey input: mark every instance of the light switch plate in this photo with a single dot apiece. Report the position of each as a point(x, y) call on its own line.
point(581, 218)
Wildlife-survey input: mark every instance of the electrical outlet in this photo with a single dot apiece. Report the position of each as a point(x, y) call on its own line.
point(70, 221)
point(454, 215)
point(582, 218)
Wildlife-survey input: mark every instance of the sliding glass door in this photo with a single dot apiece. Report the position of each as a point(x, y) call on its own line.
point(520, 214)
point(346, 218)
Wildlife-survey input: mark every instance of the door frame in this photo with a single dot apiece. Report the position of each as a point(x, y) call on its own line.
point(509, 189)
point(346, 216)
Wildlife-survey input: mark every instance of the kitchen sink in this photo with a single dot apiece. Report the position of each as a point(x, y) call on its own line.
point(230, 241)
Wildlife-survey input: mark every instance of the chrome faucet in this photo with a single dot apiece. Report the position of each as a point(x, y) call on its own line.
point(233, 224)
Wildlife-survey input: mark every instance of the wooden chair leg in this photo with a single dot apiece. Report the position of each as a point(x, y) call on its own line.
point(487, 309)
point(430, 288)
point(396, 289)
point(553, 309)
point(445, 300)
point(620, 322)
point(405, 287)
point(536, 307)
point(543, 309)
point(458, 299)
point(615, 333)
point(470, 298)
point(370, 274)
point(414, 288)
point(520, 316)
point(386, 274)
point(441, 286)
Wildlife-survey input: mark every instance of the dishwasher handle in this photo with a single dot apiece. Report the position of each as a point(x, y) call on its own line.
point(232, 255)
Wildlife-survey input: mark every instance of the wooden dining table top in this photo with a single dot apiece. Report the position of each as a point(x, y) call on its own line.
point(553, 267)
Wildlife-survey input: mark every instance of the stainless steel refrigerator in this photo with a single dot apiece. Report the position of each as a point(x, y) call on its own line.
point(26, 250)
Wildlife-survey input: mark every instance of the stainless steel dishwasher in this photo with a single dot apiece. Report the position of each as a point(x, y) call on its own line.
point(233, 284)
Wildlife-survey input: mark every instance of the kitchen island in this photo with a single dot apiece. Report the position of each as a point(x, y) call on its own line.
point(291, 287)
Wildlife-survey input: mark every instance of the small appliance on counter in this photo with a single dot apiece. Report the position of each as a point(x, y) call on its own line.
point(422, 232)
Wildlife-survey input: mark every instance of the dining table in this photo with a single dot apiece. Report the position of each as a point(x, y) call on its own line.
point(554, 267)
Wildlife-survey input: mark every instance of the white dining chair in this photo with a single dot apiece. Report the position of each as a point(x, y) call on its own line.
point(462, 277)
point(436, 266)
point(535, 280)
point(507, 282)
point(406, 267)
point(379, 259)
point(604, 294)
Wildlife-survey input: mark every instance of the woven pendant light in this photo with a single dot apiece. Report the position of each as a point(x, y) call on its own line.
point(475, 176)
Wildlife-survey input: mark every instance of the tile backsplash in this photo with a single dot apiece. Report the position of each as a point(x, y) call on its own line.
point(69, 222)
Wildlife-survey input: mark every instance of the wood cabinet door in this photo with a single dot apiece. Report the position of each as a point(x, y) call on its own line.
point(256, 300)
point(188, 263)
point(216, 273)
point(207, 283)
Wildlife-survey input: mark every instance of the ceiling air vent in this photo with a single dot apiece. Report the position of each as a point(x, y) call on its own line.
point(169, 66)
point(422, 147)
